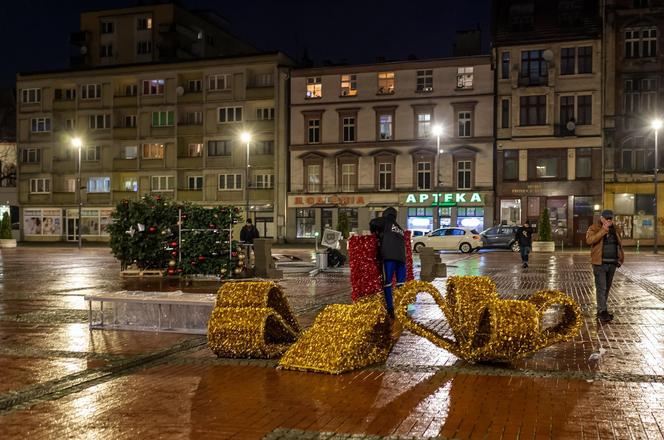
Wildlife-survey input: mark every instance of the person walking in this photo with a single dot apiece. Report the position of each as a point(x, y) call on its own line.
point(524, 236)
point(391, 251)
point(606, 255)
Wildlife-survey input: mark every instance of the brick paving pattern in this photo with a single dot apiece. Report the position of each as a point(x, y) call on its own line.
point(59, 380)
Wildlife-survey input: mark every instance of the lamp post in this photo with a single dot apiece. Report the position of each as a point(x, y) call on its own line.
point(246, 138)
point(437, 130)
point(656, 124)
point(78, 144)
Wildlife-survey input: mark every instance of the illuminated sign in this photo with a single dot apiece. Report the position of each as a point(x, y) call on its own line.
point(328, 200)
point(444, 199)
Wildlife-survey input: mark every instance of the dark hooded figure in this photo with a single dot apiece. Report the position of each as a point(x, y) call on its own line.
point(392, 252)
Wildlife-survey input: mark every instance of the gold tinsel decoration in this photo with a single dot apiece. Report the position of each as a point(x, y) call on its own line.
point(251, 320)
point(343, 338)
point(485, 327)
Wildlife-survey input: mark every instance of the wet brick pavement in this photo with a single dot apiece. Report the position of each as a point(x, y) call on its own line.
point(59, 380)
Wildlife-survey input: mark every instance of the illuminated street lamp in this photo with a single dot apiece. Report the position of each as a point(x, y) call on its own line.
point(656, 124)
point(245, 137)
point(78, 144)
point(437, 130)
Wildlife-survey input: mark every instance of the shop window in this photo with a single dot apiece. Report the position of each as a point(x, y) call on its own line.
point(305, 223)
point(510, 211)
point(645, 204)
point(420, 219)
point(583, 206)
point(444, 217)
point(623, 204)
point(558, 217)
point(351, 214)
point(470, 217)
point(42, 221)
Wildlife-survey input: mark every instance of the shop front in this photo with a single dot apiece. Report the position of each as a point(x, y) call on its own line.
point(57, 224)
point(421, 212)
point(633, 206)
point(569, 215)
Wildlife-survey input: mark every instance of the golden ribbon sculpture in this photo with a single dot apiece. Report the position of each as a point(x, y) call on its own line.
point(251, 320)
point(485, 327)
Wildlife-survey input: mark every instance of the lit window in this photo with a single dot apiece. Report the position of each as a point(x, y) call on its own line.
point(130, 152)
point(314, 87)
point(195, 150)
point(386, 83)
point(423, 125)
point(313, 178)
point(348, 172)
point(348, 85)
point(154, 87)
point(144, 23)
point(130, 184)
point(465, 77)
point(99, 184)
point(153, 151)
point(385, 127)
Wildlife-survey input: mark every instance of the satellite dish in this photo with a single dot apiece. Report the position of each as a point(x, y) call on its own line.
point(570, 126)
point(331, 238)
point(84, 50)
point(548, 55)
point(180, 90)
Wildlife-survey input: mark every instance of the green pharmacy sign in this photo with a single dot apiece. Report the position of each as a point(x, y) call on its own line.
point(444, 199)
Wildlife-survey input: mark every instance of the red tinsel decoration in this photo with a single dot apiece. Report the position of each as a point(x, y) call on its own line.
point(365, 272)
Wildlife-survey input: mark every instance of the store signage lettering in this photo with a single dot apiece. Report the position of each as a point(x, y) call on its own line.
point(443, 199)
point(329, 200)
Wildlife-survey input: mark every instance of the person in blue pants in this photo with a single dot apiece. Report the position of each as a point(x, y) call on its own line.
point(392, 252)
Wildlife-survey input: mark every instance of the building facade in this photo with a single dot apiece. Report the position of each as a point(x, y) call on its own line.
point(362, 139)
point(157, 128)
point(633, 84)
point(150, 33)
point(548, 74)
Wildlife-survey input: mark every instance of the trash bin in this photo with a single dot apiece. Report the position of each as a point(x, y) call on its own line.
point(321, 260)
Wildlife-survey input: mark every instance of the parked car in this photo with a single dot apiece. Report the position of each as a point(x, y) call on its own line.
point(449, 239)
point(500, 237)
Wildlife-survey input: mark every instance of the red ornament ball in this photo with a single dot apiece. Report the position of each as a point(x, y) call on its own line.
point(173, 243)
point(171, 271)
point(201, 258)
point(174, 253)
point(152, 229)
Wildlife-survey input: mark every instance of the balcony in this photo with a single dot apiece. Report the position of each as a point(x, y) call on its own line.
point(118, 196)
point(191, 97)
point(39, 198)
point(261, 194)
point(27, 168)
point(152, 164)
point(125, 101)
point(185, 129)
point(125, 132)
point(190, 195)
point(533, 81)
point(61, 104)
point(163, 131)
point(190, 162)
point(560, 130)
point(64, 198)
point(64, 166)
point(99, 198)
point(260, 92)
point(120, 164)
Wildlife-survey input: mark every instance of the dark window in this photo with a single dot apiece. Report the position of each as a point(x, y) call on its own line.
point(567, 58)
point(264, 147)
point(641, 3)
point(505, 65)
point(533, 110)
point(585, 59)
point(510, 164)
point(645, 203)
point(585, 110)
point(584, 163)
point(566, 109)
point(505, 113)
point(313, 131)
point(351, 214)
point(348, 128)
point(533, 68)
point(219, 148)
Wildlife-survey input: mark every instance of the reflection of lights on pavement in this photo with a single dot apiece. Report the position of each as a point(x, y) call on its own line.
point(85, 406)
point(78, 337)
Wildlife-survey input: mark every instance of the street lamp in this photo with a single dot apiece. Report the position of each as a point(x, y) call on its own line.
point(656, 124)
point(246, 138)
point(437, 130)
point(78, 144)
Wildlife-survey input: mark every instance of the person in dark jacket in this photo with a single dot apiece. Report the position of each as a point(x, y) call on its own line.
point(392, 252)
point(249, 233)
point(524, 236)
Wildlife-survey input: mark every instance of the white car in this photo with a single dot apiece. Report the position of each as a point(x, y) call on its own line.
point(449, 239)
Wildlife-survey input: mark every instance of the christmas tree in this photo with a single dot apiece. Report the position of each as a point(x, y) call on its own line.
point(147, 233)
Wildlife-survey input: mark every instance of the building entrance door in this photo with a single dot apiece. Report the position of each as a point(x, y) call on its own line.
point(72, 229)
point(581, 225)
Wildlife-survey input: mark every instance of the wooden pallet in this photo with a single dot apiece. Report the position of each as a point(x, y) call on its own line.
point(142, 273)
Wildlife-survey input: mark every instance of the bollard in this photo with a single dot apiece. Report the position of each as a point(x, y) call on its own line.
point(638, 243)
point(264, 265)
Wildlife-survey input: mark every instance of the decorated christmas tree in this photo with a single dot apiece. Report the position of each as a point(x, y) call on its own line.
point(147, 234)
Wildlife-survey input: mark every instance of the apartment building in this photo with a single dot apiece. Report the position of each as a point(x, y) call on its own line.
point(156, 128)
point(634, 63)
point(149, 33)
point(364, 138)
point(548, 70)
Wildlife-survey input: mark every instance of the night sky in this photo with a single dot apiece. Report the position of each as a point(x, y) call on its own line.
point(34, 35)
